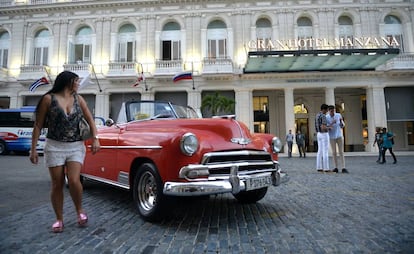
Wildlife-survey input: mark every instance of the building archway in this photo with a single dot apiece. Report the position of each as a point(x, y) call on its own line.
point(302, 123)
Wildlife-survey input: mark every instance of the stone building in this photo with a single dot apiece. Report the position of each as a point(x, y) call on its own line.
point(279, 60)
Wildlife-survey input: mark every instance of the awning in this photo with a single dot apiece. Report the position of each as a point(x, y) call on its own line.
point(317, 60)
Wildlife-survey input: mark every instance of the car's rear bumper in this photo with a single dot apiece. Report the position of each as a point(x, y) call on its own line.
point(234, 183)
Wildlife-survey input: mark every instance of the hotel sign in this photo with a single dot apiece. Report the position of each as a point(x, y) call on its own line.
point(324, 43)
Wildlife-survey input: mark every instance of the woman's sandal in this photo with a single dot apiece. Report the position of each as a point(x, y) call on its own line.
point(57, 227)
point(82, 219)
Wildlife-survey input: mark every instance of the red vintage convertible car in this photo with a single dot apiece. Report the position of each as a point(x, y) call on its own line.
point(158, 150)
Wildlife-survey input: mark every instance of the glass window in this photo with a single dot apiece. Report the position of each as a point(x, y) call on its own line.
point(170, 42)
point(80, 49)
point(4, 49)
point(263, 34)
point(305, 33)
point(126, 43)
point(217, 40)
point(393, 29)
point(346, 31)
point(41, 47)
point(261, 114)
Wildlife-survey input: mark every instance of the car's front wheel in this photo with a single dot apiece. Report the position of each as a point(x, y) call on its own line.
point(251, 196)
point(3, 147)
point(147, 193)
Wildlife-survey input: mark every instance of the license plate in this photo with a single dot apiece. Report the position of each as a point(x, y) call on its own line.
point(258, 182)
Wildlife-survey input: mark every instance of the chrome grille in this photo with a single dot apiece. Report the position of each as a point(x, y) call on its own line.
point(219, 163)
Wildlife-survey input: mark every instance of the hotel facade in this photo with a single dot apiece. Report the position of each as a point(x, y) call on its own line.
point(278, 60)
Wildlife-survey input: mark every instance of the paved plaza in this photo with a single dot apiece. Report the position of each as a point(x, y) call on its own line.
point(370, 210)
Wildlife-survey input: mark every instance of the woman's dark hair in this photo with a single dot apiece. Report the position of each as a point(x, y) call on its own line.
point(64, 79)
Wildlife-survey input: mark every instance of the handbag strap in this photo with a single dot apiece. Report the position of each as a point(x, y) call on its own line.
point(76, 96)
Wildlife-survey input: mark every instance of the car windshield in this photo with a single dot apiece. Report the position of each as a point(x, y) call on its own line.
point(142, 110)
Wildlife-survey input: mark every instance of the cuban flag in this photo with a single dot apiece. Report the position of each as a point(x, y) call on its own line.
point(183, 75)
point(40, 82)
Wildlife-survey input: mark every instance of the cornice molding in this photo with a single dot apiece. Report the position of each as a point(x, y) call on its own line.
point(192, 6)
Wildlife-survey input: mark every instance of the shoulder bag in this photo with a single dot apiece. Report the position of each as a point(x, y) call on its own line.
point(84, 129)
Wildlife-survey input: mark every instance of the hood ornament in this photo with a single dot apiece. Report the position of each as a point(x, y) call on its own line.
point(241, 141)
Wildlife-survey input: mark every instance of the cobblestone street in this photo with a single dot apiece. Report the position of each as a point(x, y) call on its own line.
point(370, 210)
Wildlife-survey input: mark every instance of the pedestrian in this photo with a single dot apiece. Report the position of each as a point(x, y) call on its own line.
point(289, 141)
point(322, 159)
point(387, 144)
point(300, 142)
point(60, 111)
point(378, 141)
point(336, 139)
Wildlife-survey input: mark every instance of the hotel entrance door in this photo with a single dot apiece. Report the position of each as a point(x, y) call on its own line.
point(302, 126)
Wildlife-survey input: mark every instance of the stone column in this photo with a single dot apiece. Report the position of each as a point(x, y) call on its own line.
point(376, 114)
point(244, 111)
point(289, 115)
point(102, 105)
point(330, 96)
point(147, 95)
point(194, 100)
point(16, 101)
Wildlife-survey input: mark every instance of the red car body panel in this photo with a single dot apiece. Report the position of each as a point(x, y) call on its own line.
point(158, 141)
point(160, 149)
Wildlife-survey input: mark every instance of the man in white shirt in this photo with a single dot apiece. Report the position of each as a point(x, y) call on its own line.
point(335, 124)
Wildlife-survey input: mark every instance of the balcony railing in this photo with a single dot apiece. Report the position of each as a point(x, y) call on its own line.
point(82, 69)
point(29, 72)
point(168, 67)
point(217, 65)
point(401, 62)
point(122, 69)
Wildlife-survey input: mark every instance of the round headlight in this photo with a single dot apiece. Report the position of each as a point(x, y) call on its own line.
point(189, 144)
point(276, 144)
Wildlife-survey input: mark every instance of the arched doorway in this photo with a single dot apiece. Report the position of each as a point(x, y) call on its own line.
point(302, 122)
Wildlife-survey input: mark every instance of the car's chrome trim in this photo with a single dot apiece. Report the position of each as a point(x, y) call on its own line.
point(233, 184)
point(129, 147)
point(241, 141)
point(123, 178)
point(103, 180)
point(232, 153)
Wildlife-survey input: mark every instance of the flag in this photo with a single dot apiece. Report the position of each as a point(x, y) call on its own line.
point(139, 80)
point(85, 81)
point(40, 82)
point(182, 75)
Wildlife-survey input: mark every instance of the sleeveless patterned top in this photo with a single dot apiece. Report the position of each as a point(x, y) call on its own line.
point(62, 127)
point(319, 121)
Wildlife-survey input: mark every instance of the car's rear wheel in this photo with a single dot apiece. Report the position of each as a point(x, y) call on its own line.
point(251, 196)
point(147, 193)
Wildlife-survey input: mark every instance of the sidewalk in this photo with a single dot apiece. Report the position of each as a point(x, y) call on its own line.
point(350, 154)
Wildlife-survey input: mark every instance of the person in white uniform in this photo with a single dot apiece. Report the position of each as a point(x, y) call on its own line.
point(321, 127)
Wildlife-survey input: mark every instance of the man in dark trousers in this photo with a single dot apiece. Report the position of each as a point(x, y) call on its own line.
point(387, 143)
point(300, 142)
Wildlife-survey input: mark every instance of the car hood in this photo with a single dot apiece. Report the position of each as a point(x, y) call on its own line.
point(222, 134)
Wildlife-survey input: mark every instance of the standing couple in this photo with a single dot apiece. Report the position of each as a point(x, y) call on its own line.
point(329, 130)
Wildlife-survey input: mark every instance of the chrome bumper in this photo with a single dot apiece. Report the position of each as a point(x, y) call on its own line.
point(234, 183)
